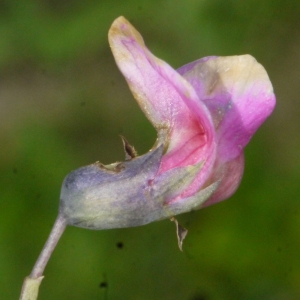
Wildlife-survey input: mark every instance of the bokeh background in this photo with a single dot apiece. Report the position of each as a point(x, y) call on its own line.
point(63, 104)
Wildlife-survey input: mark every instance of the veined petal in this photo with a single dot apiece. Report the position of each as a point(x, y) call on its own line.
point(183, 122)
point(239, 95)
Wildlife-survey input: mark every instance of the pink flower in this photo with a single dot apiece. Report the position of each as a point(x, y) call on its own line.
point(205, 113)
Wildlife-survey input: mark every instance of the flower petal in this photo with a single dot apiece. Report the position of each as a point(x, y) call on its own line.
point(239, 95)
point(229, 175)
point(183, 122)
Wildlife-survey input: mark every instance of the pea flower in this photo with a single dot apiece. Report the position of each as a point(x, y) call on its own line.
point(205, 113)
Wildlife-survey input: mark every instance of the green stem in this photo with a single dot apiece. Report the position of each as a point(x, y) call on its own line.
point(31, 284)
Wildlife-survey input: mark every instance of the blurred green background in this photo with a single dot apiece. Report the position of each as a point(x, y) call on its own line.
point(63, 104)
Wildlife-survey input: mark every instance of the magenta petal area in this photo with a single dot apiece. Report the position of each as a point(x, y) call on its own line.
point(229, 176)
point(183, 122)
point(239, 95)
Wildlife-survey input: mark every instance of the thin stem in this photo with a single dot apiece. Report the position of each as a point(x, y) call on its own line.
point(56, 232)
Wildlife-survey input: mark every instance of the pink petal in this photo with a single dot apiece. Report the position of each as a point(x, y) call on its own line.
point(239, 95)
point(183, 122)
point(230, 175)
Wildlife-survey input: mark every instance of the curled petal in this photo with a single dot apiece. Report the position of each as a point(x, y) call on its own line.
point(239, 95)
point(229, 175)
point(183, 122)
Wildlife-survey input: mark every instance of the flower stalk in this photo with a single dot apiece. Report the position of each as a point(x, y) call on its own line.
point(32, 282)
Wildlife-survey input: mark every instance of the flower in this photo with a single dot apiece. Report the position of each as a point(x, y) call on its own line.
point(205, 113)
